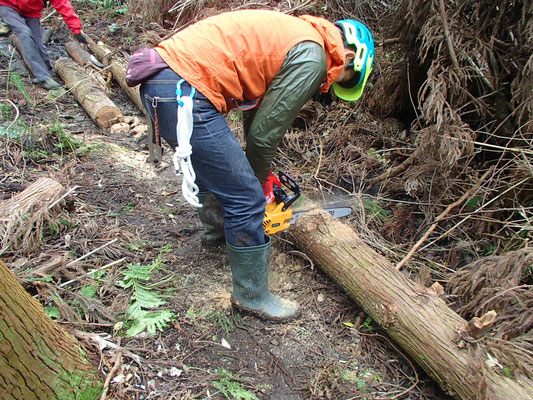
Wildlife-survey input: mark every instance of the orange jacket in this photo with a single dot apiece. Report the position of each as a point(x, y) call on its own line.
point(233, 57)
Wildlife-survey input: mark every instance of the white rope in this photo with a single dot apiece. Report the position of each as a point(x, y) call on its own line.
point(182, 154)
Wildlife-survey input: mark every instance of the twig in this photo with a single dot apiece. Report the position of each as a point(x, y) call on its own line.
point(303, 255)
point(391, 173)
point(440, 217)
point(405, 358)
point(319, 160)
point(442, 12)
point(504, 292)
point(475, 212)
point(16, 116)
point(384, 42)
point(48, 16)
point(92, 272)
point(91, 252)
point(62, 197)
point(111, 374)
point(297, 7)
point(101, 343)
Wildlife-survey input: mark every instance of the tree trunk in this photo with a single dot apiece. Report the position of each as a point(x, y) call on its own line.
point(88, 93)
point(117, 66)
point(38, 358)
point(413, 316)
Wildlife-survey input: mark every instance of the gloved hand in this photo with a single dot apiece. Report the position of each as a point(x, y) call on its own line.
point(268, 187)
point(80, 38)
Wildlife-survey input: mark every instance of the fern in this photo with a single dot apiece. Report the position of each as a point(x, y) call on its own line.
point(231, 388)
point(150, 321)
point(144, 300)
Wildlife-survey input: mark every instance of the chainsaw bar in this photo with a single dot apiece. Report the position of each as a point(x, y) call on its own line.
point(336, 212)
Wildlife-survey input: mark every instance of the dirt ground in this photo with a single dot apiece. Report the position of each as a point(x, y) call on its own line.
point(208, 350)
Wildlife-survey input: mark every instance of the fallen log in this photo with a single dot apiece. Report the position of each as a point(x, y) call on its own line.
point(23, 217)
point(414, 317)
point(117, 66)
point(88, 93)
point(83, 58)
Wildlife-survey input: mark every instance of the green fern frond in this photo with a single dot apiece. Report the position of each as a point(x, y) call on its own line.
point(135, 272)
point(151, 321)
point(17, 81)
point(144, 299)
point(229, 386)
point(147, 298)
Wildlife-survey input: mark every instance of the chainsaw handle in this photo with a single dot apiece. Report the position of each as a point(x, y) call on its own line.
point(291, 184)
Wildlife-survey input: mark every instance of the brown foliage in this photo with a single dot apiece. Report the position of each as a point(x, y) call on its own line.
point(502, 284)
point(470, 64)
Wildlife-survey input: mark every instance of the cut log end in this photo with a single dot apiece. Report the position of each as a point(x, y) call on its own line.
point(108, 116)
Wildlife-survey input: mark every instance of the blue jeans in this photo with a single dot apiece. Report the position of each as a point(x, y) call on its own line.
point(218, 160)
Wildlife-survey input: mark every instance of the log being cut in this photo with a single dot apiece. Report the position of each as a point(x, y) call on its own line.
point(413, 316)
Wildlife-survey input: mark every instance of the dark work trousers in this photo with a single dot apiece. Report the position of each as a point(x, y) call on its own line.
point(219, 162)
point(30, 34)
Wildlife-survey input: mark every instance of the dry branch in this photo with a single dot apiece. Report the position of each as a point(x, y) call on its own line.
point(88, 93)
point(23, 217)
point(447, 34)
point(440, 217)
point(414, 317)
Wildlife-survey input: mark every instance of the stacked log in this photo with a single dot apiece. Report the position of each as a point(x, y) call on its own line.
point(89, 93)
point(117, 66)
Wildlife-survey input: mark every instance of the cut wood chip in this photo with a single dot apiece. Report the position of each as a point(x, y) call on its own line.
point(478, 326)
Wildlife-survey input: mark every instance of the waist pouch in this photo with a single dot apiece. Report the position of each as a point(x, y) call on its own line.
point(143, 64)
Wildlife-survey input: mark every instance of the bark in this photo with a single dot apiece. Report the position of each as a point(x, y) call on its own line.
point(117, 66)
point(413, 316)
point(88, 93)
point(83, 58)
point(42, 191)
point(38, 358)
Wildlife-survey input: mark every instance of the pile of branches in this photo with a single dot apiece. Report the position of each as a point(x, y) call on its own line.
point(469, 72)
point(501, 284)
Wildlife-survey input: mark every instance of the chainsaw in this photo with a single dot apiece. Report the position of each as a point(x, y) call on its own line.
point(279, 214)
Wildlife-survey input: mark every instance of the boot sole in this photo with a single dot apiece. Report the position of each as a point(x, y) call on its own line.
point(238, 305)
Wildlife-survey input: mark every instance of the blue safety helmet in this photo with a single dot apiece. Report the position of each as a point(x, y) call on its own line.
point(357, 37)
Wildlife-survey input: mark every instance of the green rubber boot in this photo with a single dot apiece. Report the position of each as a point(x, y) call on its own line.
point(249, 266)
point(211, 215)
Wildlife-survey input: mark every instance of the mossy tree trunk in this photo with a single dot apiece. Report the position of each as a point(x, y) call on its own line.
point(38, 358)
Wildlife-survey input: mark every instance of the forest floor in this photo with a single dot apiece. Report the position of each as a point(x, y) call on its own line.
point(135, 211)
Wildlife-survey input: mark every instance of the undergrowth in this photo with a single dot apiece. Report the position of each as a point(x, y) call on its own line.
point(142, 315)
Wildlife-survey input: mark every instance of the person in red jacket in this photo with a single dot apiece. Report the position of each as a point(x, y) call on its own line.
point(23, 17)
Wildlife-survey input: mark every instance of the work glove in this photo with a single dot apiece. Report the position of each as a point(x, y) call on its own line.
point(268, 187)
point(80, 38)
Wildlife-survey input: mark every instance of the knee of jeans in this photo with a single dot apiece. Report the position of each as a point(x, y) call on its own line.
point(23, 33)
point(248, 207)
